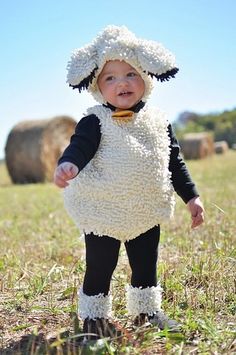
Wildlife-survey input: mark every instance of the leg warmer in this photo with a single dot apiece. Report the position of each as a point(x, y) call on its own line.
point(98, 306)
point(143, 300)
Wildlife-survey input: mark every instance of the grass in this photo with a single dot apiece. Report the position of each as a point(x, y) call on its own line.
point(42, 265)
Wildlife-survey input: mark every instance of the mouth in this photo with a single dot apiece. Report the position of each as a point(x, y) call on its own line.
point(125, 93)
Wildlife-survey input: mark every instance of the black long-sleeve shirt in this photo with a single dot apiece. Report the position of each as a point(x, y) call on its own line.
point(85, 142)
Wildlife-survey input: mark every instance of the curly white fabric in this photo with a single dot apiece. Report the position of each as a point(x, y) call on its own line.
point(114, 43)
point(126, 188)
point(98, 306)
point(146, 300)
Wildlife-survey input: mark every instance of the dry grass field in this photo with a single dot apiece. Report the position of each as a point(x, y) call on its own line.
point(42, 265)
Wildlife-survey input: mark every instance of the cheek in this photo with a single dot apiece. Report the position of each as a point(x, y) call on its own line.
point(104, 87)
point(142, 87)
point(100, 86)
point(106, 92)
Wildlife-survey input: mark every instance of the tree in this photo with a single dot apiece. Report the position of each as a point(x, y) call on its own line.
point(222, 125)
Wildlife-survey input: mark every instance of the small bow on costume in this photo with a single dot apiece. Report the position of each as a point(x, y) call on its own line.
point(123, 116)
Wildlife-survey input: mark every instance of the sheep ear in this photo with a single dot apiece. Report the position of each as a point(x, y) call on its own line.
point(156, 60)
point(82, 67)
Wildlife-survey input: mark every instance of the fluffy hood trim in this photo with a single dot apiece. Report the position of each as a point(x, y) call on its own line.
point(149, 58)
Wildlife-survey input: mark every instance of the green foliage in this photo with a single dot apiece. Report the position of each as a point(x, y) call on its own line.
point(222, 125)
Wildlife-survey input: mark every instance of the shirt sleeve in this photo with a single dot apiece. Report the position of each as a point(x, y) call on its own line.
point(181, 179)
point(83, 143)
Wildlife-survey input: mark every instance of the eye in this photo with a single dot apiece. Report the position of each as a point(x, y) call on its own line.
point(109, 78)
point(131, 74)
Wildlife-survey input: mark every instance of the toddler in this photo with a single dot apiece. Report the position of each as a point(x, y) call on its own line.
point(120, 172)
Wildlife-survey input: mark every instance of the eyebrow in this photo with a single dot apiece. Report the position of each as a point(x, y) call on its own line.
point(114, 73)
point(107, 73)
point(101, 75)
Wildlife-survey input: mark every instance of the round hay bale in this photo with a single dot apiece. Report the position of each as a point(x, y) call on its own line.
point(33, 148)
point(221, 147)
point(197, 145)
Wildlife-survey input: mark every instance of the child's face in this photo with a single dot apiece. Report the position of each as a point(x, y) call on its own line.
point(120, 84)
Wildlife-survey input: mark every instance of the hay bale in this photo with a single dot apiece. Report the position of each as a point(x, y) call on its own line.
point(33, 148)
point(221, 147)
point(197, 145)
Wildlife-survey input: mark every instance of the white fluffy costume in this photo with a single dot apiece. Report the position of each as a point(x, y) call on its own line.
point(113, 194)
point(126, 187)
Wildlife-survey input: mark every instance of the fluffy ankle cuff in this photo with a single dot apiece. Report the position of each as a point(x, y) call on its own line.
point(98, 306)
point(146, 300)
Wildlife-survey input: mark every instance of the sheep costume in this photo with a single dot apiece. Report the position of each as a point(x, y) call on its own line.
point(113, 194)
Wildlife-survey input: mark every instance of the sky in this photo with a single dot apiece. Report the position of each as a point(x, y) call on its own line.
point(38, 37)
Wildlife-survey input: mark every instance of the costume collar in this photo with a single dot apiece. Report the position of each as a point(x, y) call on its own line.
point(136, 108)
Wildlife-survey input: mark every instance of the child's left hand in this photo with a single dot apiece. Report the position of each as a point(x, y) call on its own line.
point(196, 209)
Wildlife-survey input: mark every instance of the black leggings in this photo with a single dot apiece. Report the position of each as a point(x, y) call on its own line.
point(102, 256)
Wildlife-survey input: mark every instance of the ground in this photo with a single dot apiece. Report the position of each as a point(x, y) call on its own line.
point(42, 265)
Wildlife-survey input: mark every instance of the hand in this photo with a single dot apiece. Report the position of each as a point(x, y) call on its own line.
point(64, 172)
point(196, 209)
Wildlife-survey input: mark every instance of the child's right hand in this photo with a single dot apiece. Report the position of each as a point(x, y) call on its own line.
point(64, 172)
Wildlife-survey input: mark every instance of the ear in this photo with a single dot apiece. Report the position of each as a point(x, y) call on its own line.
point(156, 60)
point(82, 66)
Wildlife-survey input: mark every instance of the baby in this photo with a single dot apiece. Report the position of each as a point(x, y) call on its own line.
point(120, 172)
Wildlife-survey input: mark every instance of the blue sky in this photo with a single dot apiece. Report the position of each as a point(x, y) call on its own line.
point(37, 38)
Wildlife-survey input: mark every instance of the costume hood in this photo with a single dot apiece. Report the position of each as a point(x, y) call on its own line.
point(149, 58)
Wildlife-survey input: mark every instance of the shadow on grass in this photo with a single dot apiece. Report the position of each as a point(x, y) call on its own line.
point(63, 344)
point(39, 344)
point(72, 342)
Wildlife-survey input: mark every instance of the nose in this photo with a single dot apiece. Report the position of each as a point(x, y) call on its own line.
point(122, 81)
